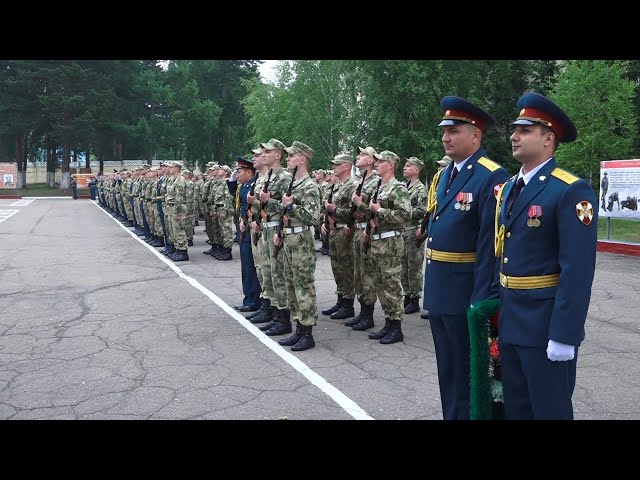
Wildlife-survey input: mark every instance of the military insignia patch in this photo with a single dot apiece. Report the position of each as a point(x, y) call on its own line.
point(584, 210)
point(496, 189)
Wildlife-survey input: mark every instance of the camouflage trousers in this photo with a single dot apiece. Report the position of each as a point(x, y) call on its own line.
point(387, 268)
point(226, 229)
point(257, 261)
point(363, 282)
point(151, 212)
point(190, 223)
point(341, 251)
point(412, 265)
point(272, 270)
point(127, 207)
point(208, 224)
point(136, 211)
point(177, 225)
point(157, 222)
point(215, 229)
point(299, 255)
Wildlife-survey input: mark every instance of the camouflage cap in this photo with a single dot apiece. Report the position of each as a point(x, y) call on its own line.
point(226, 168)
point(186, 171)
point(415, 161)
point(387, 155)
point(369, 151)
point(273, 144)
point(299, 147)
point(446, 160)
point(258, 150)
point(213, 166)
point(342, 158)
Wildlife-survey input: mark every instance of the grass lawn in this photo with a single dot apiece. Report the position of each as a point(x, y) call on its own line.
point(622, 230)
point(42, 190)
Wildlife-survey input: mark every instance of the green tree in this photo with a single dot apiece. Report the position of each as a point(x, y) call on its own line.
point(599, 98)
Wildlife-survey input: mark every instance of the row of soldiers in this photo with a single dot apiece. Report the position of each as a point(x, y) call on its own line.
point(163, 204)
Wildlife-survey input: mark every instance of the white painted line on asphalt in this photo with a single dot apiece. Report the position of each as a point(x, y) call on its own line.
point(48, 198)
point(348, 405)
point(4, 214)
point(22, 203)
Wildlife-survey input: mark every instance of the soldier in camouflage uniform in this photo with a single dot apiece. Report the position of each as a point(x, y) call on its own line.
point(391, 211)
point(265, 313)
point(301, 214)
point(271, 210)
point(413, 259)
point(189, 222)
point(176, 211)
point(223, 206)
point(341, 246)
point(206, 190)
point(365, 288)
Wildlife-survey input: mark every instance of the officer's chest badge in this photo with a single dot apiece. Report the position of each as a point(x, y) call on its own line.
point(496, 189)
point(542, 178)
point(584, 210)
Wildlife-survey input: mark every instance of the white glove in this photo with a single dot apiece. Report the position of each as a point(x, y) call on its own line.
point(234, 176)
point(560, 352)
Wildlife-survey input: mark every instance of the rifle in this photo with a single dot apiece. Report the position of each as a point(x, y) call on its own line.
point(353, 205)
point(371, 223)
point(423, 228)
point(325, 221)
point(277, 248)
point(256, 235)
point(246, 214)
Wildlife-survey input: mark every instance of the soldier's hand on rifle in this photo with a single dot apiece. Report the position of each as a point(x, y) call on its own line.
point(374, 206)
point(255, 227)
point(365, 237)
point(324, 231)
point(221, 214)
point(250, 198)
point(212, 213)
point(356, 199)
point(287, 200)
point(265, 196)
point(420, 234)
point(276, 239)
point(243, 227)
point(347, 231)
point(330, 207)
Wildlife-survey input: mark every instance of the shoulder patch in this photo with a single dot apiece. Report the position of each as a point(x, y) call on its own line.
point(488, 164)
point(563, 175)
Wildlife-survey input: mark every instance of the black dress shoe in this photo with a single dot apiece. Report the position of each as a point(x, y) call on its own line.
point(425, 315)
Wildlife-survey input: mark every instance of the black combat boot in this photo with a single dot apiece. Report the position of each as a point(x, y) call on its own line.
point(346, 310)
point(265, 315)
point(335, 308)
point(306, 342)
point(209, 252)
point(366, 319)
point(413, 306)
point(160, 242)
point(407, 299)
point(425, 315)
point(293, 339)
point(364, 309)
point(180, 256)
point(381, 333)
point(264, 303)
point(168, 249)
point(283, 326)
point(275, 319)
point(395, 333)
point(190, 242)
point(217, 249)
point(225, 254)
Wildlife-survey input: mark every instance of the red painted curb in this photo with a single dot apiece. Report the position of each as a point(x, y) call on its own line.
point(619, 247)
point(18, 197)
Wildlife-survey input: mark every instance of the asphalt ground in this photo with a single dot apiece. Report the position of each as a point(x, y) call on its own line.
point(96, 324)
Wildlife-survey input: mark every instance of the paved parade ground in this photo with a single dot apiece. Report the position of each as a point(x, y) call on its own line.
point(96, 324)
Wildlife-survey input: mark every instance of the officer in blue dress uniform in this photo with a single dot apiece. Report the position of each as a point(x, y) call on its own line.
point(245, 174)
point(546, 235)
point(460, 263)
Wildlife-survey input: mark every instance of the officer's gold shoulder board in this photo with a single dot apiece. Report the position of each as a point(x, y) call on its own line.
point(488, 164)
point(563, 175)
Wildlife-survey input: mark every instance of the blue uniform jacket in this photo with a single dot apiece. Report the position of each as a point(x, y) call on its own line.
point(562, 244)
point(451, 287)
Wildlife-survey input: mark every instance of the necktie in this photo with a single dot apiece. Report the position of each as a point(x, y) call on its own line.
point(452, 177)
point(514, 195)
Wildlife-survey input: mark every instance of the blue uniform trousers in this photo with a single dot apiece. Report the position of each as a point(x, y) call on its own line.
point(250, 283)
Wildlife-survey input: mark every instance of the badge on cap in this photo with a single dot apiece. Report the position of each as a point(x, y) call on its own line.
point(584, 210)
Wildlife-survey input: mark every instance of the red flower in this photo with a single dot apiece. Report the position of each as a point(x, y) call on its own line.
point(494, 352)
